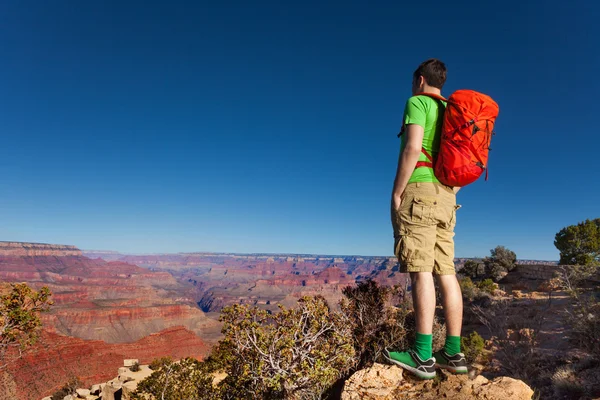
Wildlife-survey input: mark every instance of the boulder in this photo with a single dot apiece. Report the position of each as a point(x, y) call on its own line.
point(504, 388)
point(123, 370)
point(112, 390)
point(83, 392)
point(68, 397)
point(128, 389)
point(96, 389)
point(375, 383)
point(130, 362)
point(382, 382)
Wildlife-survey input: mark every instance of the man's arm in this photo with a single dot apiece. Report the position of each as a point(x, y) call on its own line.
point(407, 161)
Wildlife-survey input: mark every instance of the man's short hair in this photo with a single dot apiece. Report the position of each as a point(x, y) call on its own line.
point(434, 72)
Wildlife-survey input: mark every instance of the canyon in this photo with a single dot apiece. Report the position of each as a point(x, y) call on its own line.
point(56, 358)
point(110, 306)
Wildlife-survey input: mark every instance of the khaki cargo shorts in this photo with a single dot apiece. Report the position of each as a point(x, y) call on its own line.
point(424, 229)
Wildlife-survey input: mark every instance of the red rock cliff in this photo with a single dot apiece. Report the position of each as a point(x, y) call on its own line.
point(50, 363)
point(21, 249)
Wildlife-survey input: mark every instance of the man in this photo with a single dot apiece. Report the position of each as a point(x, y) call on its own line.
point(423, 218)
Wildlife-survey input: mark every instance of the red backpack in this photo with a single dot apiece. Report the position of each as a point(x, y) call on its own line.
point(466, 136)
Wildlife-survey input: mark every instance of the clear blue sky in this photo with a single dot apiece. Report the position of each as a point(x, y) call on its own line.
point(225, 126)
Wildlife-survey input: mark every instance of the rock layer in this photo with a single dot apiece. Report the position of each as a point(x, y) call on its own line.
point(55, 358)
point(21, 249)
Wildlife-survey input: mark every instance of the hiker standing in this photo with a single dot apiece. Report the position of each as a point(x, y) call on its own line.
point(423, 218)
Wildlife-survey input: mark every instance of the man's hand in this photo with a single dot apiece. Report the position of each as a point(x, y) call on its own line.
point(396, 201)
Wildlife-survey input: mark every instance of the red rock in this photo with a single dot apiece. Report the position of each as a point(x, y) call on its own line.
point(48, 365)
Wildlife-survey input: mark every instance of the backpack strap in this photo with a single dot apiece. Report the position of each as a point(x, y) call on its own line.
point(434, 96)
point(428, 164)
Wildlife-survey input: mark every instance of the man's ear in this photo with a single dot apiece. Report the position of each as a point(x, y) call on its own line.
point(421, 81)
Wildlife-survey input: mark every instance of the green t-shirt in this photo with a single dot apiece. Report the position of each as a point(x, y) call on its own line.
point(426, 112)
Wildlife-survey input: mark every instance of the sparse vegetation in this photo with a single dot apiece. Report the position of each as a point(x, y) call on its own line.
point(500, 263)
point(19, 317)
point(135, 367)
point(566, 385)
point(585, 325)
point(298, 353)
point(472, 268)
point(487, 286)
point(377, 324)
point(515, 335)
point(69, 388)
point(472, 346)
point(468, 289)
point(175, 380)
point(572, 277)
point(158, 363)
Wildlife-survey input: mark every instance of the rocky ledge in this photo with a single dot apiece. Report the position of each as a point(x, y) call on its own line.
point(384, 382)
point(380, 382)
point(20, 249)
point(119, 388)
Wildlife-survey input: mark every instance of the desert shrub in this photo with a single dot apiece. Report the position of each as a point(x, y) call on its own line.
point(468, 289)
point(175, 380)
point(572, 277)
point(296, 353)
point(550, 285)
point(158, 363)
point(68, 388)
point(566, 385)
point(135, 367)
point(579, 244)
point(585, 325)
point(377, 324)
point(500, 262)
point(487, 286)
point(472, 346)
point(472, 268)
point(514, 330)
point(20, 322)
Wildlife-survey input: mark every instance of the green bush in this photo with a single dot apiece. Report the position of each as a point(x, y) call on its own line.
point(135, 367)
point(468, 289)
point(175, 380)
point(579, 244)
point(20, 308)
point(500, 263)
point(296, 353)
point(488, 286)
point(472, 268)
point(158, 363)
point(472, 346)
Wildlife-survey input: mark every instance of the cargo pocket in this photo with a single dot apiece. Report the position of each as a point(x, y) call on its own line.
point(402, 250)
point(423, 210)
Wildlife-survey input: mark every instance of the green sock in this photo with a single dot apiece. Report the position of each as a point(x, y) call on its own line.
point(452, 345)
point(423, 345)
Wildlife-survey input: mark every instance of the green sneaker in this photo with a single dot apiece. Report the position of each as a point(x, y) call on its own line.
point(410, 361)
point(456, 364)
